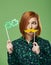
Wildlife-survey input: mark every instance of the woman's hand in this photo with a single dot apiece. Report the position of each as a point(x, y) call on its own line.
point(36, 48)
point(9, 47)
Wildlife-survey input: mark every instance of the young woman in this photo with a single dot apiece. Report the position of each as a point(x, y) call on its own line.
point(26, 51)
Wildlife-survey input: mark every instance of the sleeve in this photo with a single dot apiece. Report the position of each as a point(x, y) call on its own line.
point(12, 58)
point(45, 54)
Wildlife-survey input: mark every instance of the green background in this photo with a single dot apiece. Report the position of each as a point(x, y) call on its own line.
point(11, 9)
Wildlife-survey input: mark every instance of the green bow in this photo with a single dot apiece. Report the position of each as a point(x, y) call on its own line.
point(10, 24)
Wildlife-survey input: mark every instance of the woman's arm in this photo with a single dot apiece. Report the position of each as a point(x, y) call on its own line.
point(45, 54)
point(12, 58)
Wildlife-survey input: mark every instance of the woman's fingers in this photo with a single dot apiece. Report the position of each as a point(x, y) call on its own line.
point(36, 48)
point(8, 41)
point(35, 44)
point(9, 46)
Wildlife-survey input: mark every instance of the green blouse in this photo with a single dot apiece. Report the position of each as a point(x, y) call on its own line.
point(23, 55)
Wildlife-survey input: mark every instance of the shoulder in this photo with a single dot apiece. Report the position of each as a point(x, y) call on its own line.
point(17, 41)
point(43, 41)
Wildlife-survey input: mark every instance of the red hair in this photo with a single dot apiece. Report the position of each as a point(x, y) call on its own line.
point(24, 21)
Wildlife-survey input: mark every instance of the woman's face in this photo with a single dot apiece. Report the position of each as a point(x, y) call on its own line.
point(32, 24)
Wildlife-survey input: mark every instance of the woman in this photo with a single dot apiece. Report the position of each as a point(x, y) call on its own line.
point(26, 51)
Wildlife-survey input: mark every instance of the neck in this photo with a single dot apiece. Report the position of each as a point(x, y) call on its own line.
point(28, 38)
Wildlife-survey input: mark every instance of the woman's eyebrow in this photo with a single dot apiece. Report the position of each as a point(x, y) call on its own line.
point(33, 21)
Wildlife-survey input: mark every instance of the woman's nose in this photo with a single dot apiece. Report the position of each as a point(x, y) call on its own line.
point(30, 26)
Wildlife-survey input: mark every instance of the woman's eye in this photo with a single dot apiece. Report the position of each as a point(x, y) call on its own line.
point(33, 22)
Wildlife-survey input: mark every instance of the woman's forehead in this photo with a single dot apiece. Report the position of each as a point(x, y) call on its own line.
point(33, 19)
